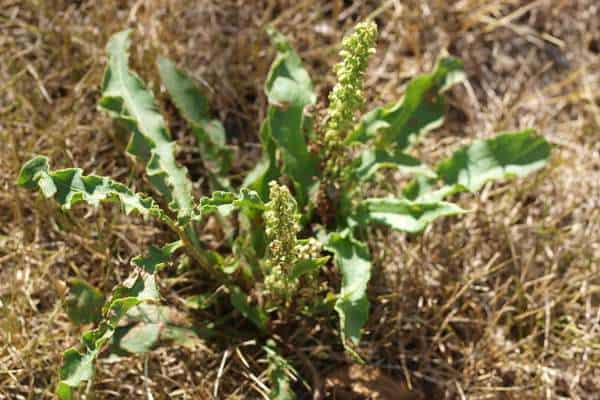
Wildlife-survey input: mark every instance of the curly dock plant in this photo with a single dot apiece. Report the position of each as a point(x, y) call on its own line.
point(269, 264)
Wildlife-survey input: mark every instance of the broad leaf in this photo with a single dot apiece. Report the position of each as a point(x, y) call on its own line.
point(148, 324)
point(279, 374)
point(420, 110)
point(266, 169)
point(406, 215)
point(353, 259)
point(508, 154)
point(219, 201)
point(289, 90)
point(372, 160)
point(139, 288)
point(157, 256)
point(69, 187)
point(84, 302)
point(125, 98)
point(422, 189)
point(193, 106)
point(307, 266)
point(141, 338)
point(239, 300)
point(248, 202)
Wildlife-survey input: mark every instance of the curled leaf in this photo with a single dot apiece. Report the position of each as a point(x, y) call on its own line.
point(239, 300)
point(289, 90)
point(280, 372)
point(126, 99)
point(507, 154)
point(140, 287)
point(84, 302)
point(420, 110)
point(406, 215)
point(372, 160)
point(70, 186)
point(193, 106)
point(353, 259)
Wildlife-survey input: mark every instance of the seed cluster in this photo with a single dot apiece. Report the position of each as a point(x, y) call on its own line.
point(282, 226)
point(347, 98)
point(282, 222)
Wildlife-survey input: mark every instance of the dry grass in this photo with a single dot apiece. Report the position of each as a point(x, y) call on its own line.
point(502, 304)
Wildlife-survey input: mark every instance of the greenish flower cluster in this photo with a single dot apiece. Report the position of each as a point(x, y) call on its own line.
point(282, 222)
point(347, 98)
point(282, 225)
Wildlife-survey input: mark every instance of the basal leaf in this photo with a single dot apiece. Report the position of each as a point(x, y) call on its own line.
point(289, 90)
point(422, 189)
point(251, 246)
point(267, 168)
point(193, 106)
point(239, 300)
point(307, 266)
point(248, 202)
point(405, 215)
point(157, 256)
point(69, 187)
point(219, 201)
point(373, 159)
point(279, 374)
point(508, 154)
point(420, 110)
point(353, 259)
point(126, 99)
point(84, 302)
point(141, 338)
point(140, 287)
point(76, 368)
point(146, 325)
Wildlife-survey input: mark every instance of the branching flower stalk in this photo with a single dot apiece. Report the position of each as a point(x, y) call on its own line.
point(285, 250)
point(282, 222)
point(347, 98)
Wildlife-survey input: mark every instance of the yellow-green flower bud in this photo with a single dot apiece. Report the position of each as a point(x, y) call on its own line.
point(347, 98)
point(282, 226)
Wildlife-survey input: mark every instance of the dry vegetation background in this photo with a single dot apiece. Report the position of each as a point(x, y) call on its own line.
point(501, 304)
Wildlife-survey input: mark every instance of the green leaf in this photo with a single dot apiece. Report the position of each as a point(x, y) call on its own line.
point(219, 201)
point(289, 90)
point(78, 367)
point(406, 215)
point(353, 259)
point(193, 106)
point(248, 202)
point(307, 266)
point(508, 154)
point(141, 338)
point(157, 256)
point(139, 288)
point(69, 187)
point(279, 374)
point(252, 242)
point(239, 300)
point(267, 168)
point(373, 159)
point(146, 324)
point(422, 189)
point(125, 98)
point(84, 302)
point(200, 301)
point(419, 111)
